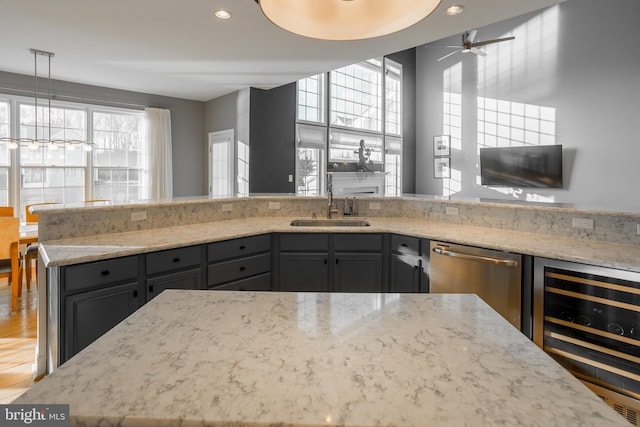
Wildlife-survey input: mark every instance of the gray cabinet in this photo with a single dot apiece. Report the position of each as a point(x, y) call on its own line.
point(179, 268)
point(303, 262)
point(88, 315)
point(358, 263)
point(336, 262)
point(408, 261)
point(94, 297)
point(240, 264)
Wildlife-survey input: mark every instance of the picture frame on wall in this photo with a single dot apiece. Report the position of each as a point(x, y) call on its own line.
point(442, 167)
point(442, 145)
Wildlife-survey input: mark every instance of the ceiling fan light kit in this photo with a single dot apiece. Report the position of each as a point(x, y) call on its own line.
point(346, 19)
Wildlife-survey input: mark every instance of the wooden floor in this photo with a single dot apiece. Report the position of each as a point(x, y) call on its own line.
point(17, 342)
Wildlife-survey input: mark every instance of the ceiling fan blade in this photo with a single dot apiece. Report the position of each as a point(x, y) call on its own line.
point(486, 42)
point(449, 54)
point(471, 35)
point(477, 51)
point(450, 47)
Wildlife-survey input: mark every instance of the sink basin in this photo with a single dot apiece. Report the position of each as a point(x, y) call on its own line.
point(330, 223)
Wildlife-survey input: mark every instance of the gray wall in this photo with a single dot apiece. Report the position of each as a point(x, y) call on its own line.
point(272, 148)
point(187, 122)
point(230, 111)
point(408, 60)
point(579, 58)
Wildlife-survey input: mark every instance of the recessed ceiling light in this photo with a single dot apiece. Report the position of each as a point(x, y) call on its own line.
point(222, 14)
point(454, 9)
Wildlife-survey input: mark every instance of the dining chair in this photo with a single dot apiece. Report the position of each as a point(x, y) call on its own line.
point(10, 256)
point(6, 210)
point(30, 254)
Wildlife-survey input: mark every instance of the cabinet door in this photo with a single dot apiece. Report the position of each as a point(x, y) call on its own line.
point(304, 272)
point(357, 272)
point(190, 279)
point(89, 315)
point(405, 273)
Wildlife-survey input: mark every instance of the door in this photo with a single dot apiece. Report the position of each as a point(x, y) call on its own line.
point(405, 273)
point(222, 174)
point(189, 279)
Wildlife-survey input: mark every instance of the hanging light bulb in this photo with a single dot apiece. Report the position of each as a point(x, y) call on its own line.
point(12, 145)
point(33, 145)
point(88, 147)
point(69, 146)
point(53, 146)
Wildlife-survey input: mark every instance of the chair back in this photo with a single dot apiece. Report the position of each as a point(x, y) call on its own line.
point(6, 210)
point(33, 217)
point(9, 233)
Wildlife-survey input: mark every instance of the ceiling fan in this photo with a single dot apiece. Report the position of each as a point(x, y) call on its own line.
point(469, 44)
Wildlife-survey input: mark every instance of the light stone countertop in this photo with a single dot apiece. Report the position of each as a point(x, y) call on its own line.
point(84, 249)
point(249, 359)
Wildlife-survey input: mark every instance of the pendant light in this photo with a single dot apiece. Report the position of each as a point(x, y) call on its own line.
point(35, 142)
point(346, 19)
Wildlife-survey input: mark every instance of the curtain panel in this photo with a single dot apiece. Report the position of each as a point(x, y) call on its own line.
point(160, 169)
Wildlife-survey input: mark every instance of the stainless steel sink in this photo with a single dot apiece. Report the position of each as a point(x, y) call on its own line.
point(351, 222)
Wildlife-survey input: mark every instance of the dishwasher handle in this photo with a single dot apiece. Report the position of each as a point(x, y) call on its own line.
point(490, 260)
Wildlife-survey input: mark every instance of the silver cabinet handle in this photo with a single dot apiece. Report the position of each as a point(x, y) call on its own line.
point(490, 260)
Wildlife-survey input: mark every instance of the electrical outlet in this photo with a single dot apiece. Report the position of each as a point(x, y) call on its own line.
point(274, 205)
point(139, 216)
point(584, 223)
point(374, 206)
point(227, 207)
point(449, 210)
point(290, 178)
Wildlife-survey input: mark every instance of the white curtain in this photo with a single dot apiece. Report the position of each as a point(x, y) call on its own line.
point(160, 170)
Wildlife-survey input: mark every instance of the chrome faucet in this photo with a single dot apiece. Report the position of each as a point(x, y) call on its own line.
point(332, 208)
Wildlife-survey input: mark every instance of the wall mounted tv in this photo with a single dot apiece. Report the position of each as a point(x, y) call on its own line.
point(531, 166)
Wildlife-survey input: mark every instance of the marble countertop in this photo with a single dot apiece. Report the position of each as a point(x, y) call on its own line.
point(92, 248)
point(249, 359)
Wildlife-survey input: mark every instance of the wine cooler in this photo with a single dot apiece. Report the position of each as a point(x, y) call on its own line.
point(588, 319)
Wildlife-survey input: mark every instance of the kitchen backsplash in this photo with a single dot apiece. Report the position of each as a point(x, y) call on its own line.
point(70, 222)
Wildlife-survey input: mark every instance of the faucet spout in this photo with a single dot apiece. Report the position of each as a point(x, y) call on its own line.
point(331, 205)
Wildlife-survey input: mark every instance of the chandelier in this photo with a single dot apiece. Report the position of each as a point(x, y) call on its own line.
point(44, 141)
point(346, 19)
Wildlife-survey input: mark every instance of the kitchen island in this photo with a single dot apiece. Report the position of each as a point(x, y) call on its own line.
point(200, 358)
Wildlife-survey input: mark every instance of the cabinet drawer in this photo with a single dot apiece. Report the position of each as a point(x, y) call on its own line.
point(304, 242)
point(405, 244)
point(238, 269)
point(357, 242)
point(173, 259)
point(100, 273)
point(238, 247)
point(261, 282)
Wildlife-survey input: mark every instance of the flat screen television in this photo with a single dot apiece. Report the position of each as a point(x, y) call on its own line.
point(531, 166)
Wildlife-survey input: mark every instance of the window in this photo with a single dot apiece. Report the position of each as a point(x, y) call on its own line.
point(5, 154)
point(363, 108)
point(311, 99)
point(51, 172)
point(119, 156)
point(115, 170)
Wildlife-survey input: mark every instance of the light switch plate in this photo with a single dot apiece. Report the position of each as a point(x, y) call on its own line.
point(584, 223)
point(638, 229)
point(227, 207)
point(274, 205)
point(449, 210)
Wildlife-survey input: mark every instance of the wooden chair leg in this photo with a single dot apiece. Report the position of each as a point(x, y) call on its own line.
point(16, 288)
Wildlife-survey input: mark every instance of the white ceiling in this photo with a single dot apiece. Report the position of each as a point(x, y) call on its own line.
point(177, 48)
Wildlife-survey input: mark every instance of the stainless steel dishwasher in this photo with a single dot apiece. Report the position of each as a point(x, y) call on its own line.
point(495, 276)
